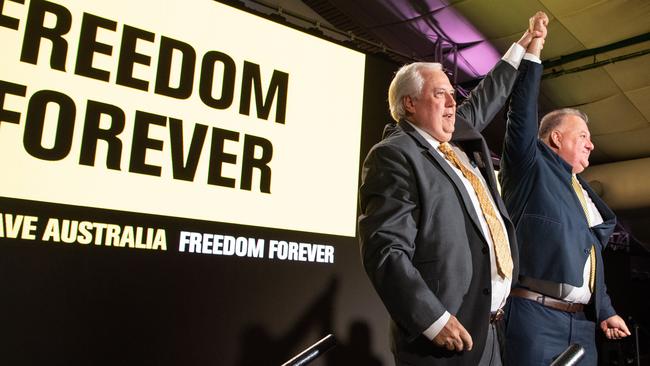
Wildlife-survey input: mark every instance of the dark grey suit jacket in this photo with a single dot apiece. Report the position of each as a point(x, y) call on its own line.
point(421, 241)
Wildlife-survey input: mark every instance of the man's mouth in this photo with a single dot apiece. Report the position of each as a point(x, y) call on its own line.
point(448, 115)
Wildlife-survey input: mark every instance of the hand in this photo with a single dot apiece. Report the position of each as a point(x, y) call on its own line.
point(537, 24)
point(614, 327)
point(536, 29)
point(454, 337)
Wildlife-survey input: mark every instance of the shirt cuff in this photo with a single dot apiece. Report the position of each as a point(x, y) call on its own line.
point(514, 55)
point(532, 58)
point(437, 326)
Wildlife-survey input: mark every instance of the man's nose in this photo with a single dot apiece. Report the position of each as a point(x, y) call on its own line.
point(449, 100)
point(590, 145)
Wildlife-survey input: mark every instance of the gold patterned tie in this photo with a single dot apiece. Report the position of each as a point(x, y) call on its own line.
point(499, 240)
point(592, 254)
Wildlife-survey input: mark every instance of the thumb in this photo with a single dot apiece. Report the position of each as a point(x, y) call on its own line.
point(603, 325)
point(466, 338)
point(624, 328)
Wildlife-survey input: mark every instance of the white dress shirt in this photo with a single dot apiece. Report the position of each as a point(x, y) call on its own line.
point(583, 294)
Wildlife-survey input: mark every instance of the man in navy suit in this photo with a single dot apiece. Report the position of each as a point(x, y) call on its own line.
point(562, 227)
point(436, 240)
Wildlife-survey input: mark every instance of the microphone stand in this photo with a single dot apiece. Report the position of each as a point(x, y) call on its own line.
point(312, 352)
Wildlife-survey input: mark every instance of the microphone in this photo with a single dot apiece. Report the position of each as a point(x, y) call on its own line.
point(312, 352)
point(570, 356)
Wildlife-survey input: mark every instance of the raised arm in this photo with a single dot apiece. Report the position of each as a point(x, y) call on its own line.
point(521, 130)
point(487, 99)
point(490, 95)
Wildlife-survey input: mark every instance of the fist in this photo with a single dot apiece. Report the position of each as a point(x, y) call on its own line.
point(537, 24)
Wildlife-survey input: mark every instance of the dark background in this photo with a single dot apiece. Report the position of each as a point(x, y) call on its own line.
point(73, 304)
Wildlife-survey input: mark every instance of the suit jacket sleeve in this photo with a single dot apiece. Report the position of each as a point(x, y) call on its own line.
point(605, 308)
point(487, 99)
point(520, 142)
point(388, 230)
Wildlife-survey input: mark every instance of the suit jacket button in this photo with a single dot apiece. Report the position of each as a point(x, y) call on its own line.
point(486, 291)
point(484, 250)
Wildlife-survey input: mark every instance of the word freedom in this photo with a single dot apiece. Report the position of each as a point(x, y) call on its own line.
point(49, 24)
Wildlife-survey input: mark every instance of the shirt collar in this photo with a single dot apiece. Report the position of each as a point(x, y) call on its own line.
point(430, 139)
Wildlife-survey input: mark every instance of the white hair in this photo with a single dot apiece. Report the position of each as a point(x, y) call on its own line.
point(408, 81)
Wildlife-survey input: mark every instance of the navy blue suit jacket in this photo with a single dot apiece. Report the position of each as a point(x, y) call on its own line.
point(553, 235)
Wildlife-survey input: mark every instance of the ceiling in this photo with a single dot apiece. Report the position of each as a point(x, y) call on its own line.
point(596, 58)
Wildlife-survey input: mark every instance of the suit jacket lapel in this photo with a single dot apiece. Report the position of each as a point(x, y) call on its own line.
point(604, 230)
point(444, 166)
point(463, 135)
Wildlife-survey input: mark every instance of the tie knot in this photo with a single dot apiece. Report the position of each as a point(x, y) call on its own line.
point(450, 155)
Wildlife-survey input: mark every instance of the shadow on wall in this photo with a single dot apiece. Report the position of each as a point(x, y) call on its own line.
point(259, 347)
point(357, 351)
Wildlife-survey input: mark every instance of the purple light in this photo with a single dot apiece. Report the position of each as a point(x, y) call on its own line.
point(481, 56)
point(473, 61)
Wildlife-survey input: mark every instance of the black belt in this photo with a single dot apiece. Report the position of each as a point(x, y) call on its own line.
point(550, 302)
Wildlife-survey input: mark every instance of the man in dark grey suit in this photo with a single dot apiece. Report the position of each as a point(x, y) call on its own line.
point(436, 241)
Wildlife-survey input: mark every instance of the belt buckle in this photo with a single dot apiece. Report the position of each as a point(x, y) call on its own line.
point(496, 316)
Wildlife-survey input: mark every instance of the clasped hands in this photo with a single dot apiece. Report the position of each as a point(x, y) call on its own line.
point(533, 39)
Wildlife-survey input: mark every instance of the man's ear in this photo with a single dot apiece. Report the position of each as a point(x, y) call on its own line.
point(555, 139)
point(409, 105)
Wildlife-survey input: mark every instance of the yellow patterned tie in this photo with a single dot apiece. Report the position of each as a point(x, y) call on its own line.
point(592, 254)
point(499, 240)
